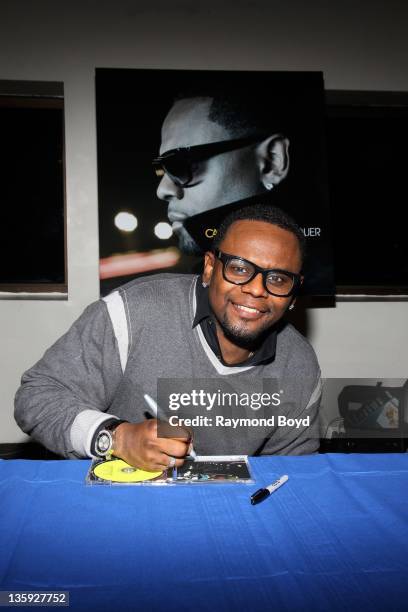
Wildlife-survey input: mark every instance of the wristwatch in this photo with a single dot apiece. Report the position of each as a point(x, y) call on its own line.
point(102, 441)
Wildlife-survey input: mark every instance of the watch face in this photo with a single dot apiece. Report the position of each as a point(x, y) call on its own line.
point(104, 441)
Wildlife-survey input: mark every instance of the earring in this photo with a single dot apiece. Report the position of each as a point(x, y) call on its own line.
point(291, 307)
point(269, 186)
point(204, 284)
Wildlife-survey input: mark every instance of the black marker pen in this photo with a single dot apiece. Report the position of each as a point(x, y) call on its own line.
point(262, 494)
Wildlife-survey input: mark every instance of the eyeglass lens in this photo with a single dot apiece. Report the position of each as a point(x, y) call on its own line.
point(179, 170)
point(239, 272)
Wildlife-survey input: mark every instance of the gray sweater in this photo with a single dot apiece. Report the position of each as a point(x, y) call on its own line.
point(140, 340)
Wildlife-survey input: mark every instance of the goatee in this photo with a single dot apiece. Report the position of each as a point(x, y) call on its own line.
point(242, 337)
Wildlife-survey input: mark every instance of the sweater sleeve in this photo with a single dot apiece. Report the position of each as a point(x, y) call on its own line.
point(65, 395)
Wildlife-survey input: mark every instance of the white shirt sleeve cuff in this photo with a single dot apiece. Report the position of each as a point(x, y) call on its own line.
point(83, 428)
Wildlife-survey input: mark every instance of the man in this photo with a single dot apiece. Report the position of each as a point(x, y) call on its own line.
point(225, 328)
point(247, 157)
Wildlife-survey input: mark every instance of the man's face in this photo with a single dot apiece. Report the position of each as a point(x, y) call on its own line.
point(220, 180)
point(244, 312)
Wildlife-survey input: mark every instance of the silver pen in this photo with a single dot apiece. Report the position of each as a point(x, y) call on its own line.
point(158, 413)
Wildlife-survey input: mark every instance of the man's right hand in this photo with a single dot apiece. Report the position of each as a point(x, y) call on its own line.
point(139, 445)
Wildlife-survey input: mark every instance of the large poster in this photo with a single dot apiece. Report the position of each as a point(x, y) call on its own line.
point(179, 149)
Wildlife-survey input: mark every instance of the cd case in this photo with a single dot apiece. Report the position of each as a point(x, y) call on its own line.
point(220, 469)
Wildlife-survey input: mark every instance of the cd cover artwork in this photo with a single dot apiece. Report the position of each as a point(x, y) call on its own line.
point(202, 470)
point(180, 149)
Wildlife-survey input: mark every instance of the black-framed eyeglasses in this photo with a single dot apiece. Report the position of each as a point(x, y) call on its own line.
point(240, 271)
point(181, 164)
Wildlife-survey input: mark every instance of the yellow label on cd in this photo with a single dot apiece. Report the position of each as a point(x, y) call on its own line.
point(118, 470)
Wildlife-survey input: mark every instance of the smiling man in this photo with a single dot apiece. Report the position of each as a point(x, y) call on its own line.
point(214, 151)
point(246, 298)
point(201, 336)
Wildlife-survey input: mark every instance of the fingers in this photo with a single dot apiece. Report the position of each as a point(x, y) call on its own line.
point(168, 461)
point(141, 445)
point(167, 453)
point(165, 430)
point(162, 453)
point(159, 462)
point(173, 448)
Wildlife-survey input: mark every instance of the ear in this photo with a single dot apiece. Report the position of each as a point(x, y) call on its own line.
point(273, 160)
point(209, 261)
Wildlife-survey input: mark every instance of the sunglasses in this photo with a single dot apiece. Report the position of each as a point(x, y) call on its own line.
point(240, 271)
point(181, 164)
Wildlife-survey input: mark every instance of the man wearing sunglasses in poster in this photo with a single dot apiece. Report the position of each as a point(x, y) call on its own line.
point(85, 397)
point(216, 151)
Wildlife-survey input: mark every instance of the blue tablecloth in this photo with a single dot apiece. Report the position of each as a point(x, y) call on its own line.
point(334, 537)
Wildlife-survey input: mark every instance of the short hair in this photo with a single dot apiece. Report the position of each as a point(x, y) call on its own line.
point(261, 212)
point(241, 115)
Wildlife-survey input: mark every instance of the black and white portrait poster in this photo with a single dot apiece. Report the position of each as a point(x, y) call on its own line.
point(179, 149)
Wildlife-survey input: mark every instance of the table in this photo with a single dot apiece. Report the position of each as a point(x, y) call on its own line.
point(334, 537)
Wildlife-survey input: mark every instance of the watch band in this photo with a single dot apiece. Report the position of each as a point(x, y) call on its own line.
point(102, 440)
